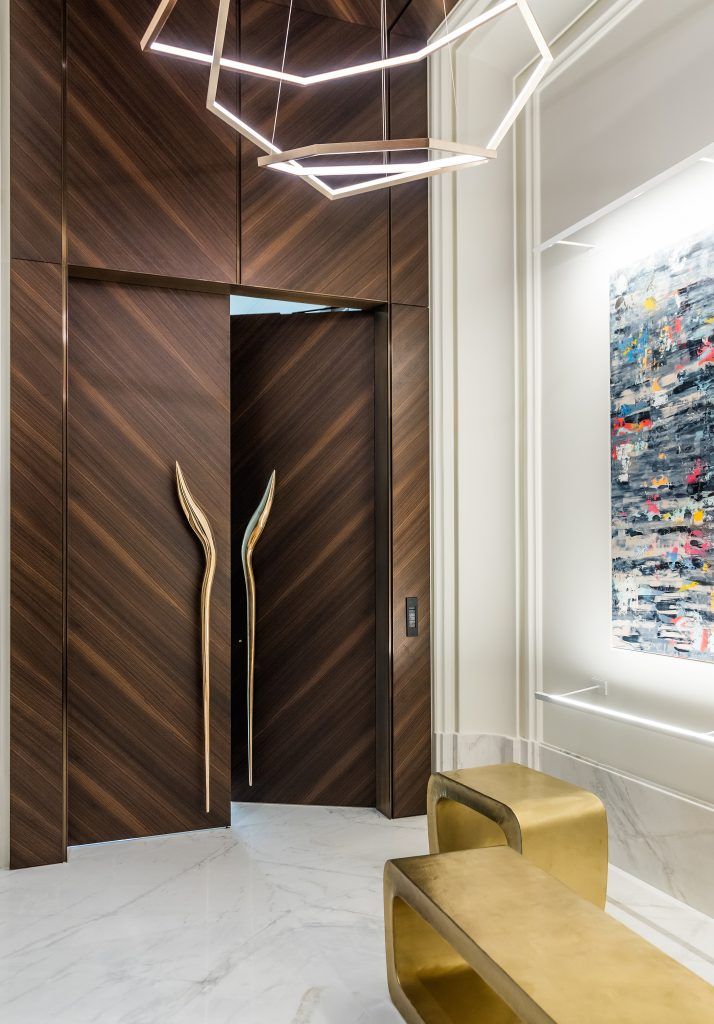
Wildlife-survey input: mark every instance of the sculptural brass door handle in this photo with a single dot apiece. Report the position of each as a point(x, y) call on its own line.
point(251, 537)
point(198, 522)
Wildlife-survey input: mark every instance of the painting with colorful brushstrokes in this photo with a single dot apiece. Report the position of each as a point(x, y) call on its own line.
point(661, 388)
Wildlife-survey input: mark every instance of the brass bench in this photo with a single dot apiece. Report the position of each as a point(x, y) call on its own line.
point(559, 827)
point(486, 937)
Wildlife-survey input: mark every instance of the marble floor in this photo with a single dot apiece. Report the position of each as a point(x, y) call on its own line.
point(277, 920)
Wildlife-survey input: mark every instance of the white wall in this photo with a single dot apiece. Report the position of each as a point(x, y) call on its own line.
point(473, 374)
point(4, 438)
point(638, 102)
point(628, 111)
point(576, 640)
point(485, 418)
point(474, 377)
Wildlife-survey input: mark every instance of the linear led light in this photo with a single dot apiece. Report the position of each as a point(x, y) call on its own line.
point(288, 161)
point(384, 179)
point(388, 170)
point(151, 42)
point(569, 700)
point(354, 170)
point(387, 174)
point(308, 175)
point(576, 245)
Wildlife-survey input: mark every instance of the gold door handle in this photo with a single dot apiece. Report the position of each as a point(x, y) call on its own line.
point(198, 522)
point(251, 537)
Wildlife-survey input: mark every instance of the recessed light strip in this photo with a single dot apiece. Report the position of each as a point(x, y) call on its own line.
point(575, 245)
point(653, 725)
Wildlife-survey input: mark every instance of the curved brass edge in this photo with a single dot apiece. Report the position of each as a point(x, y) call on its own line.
point(252, 535)
point(554, 824)
point(198, 522)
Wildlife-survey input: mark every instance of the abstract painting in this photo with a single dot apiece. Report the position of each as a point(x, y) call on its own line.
point(662, 457)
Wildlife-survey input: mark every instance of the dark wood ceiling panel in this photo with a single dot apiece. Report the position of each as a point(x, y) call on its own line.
point(36, 717)
point(409, 204)
point(360, 12)
point(152, 183)
point(36, 129)
point(303, 404)
point(421, 18)
point(291, 237)
point(411, 655)
point(148, 385)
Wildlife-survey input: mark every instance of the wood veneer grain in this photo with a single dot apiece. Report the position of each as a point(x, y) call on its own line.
point(151, 175)
point(411, 656)
point(291, 236)
point(36, 130)
point(360, 12)
point(36, 716)
point(409, 204)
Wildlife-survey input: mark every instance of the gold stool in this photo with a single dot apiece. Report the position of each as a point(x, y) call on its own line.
point(485, 935)
point(558, 826)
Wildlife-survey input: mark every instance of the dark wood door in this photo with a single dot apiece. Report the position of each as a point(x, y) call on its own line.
point(148, 385)
point(303, 405)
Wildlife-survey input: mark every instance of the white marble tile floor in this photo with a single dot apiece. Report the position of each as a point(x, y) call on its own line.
point(277, 920)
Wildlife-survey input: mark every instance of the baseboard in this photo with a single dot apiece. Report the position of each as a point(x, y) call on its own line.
point(664, 838)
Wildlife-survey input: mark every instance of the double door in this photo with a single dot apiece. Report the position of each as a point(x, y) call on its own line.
point(158, 376)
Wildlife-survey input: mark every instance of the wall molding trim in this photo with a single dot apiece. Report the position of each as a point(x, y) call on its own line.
point(442, 439)
point(444, 70)
point(572, 43)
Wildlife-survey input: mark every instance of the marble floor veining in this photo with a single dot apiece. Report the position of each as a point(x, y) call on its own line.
point(277, 920)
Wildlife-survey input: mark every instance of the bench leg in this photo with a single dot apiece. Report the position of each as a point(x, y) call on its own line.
point(566, 838)
point(428, 981)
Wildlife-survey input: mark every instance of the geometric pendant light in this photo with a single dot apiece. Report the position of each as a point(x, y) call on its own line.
point(378, 163)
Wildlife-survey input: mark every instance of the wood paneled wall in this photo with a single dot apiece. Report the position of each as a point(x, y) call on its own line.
point(37, 762)
point(151, 174)
point(409, 204)
point(36, 494)
point(404, 689)
point(359, 12)
point(334, 248)
point(411, 655)
point(116, 166)
point(36, 43)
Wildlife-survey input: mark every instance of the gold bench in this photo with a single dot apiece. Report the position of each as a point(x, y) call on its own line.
point(486, 937)
point(559, 827)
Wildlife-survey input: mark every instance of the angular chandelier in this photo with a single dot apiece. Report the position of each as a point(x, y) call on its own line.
point(384, 171)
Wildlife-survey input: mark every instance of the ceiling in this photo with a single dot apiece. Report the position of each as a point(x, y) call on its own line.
point(361, 12)
point(421, 17)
